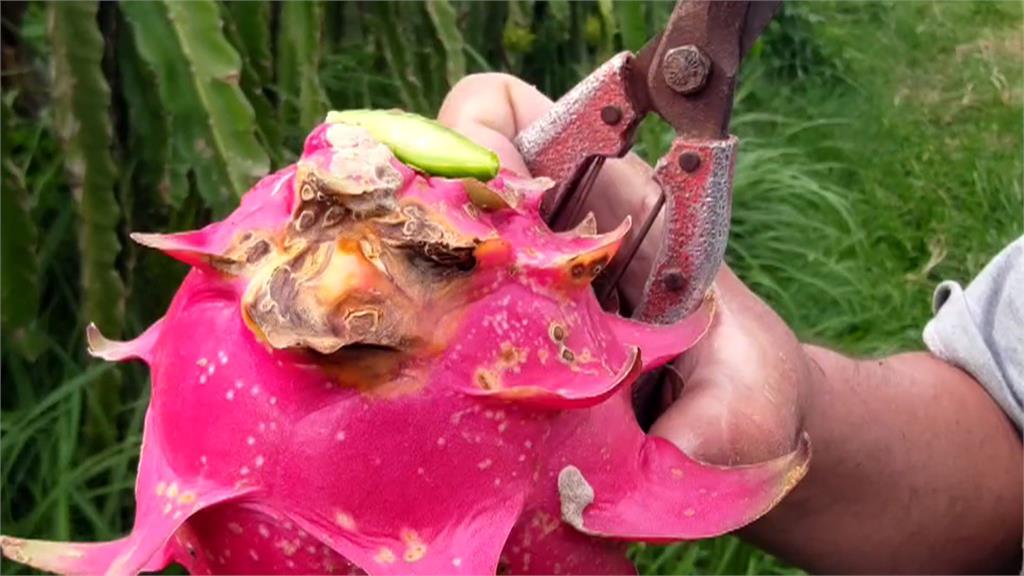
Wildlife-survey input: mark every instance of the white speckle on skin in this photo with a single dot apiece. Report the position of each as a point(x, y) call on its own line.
point(254, 390)
point(202, 460)
point(456, 562)
point(263, 530)
point(344, 520)
point(262, 426)
point(201, 362)
point(176, 515)
point(250, 440)
point(211, 369)
point(239, 384)
point(234, 527)
point(259, 461)
point(484, 464)
point(202, 378)
point(420, 471)
point(522, 457)
point(273, 400)
point(253, 555)
point(340, 436)
point(497, 481)
point(528, 444)
point(441, 441)
point(287, 547)
point(230, 395)
point(244, 471)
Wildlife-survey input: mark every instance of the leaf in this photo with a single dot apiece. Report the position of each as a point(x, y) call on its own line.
point(632, 18)
point(608, 29)
point(18, 253)
point(81, 99)
point(252, 24)
point(559, 11)
point(518, 37)
point(214, 128)
point(147, 126)
point(446, 25)
point(298, 65)
point(398, 56)
point(247, 25)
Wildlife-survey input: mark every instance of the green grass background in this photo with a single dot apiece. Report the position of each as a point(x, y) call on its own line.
point(881, 153)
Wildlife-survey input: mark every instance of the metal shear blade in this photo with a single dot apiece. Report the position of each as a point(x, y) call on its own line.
point(686, 75)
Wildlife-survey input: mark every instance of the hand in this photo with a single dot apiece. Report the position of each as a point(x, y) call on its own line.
point(901, 444)
point(742, 393)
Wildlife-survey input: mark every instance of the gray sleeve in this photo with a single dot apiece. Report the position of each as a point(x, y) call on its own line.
point(981, 329)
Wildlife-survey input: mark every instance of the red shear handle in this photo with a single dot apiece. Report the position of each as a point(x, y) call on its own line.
point(696, 178)
point(596, 119)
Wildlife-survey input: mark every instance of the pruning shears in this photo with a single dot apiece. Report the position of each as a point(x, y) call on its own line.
point(686, 74)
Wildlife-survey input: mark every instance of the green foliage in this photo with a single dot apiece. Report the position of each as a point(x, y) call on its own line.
point(446, 24)
point(881, 152)
point(18, 243)
point(303, 103)
point(82, 124)
point(198, 73)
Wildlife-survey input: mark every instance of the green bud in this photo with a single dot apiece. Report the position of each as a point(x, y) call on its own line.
point(423, 143)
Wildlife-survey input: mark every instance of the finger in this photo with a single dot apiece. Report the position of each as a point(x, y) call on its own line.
point(740, 402)
point(491, 109)
point(727, 424)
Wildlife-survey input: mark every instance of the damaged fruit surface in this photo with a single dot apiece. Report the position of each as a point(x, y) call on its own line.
point(374, 369)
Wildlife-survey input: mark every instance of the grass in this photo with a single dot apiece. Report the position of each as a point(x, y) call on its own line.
point(924, 141)
point(881, 153)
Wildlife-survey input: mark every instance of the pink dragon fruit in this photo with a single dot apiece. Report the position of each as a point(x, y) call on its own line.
point(370, 368)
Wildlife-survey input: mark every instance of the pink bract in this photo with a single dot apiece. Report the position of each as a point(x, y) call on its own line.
point(372, 369)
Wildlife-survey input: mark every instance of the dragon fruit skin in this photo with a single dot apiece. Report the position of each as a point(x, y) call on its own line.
point(417, 386)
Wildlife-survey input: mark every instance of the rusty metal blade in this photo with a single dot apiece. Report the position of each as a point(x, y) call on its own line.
point(759, 15)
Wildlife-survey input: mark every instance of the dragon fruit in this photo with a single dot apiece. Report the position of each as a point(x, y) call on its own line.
point(371, 368)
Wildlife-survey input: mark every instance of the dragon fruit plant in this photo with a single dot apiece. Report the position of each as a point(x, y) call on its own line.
point(384, 361)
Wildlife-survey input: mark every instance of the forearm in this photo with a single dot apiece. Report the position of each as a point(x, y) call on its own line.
point(914, 469)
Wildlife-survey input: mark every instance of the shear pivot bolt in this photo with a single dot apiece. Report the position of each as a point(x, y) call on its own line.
point(611, 115)
point(686, 69)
